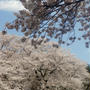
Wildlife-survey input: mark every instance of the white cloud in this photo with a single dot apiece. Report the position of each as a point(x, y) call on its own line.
point(10, 5)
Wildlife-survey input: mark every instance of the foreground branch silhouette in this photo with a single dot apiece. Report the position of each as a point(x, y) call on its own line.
point(44, 20)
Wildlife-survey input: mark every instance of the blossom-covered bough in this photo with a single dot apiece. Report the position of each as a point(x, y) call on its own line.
point(22, 67)
point(44, 20)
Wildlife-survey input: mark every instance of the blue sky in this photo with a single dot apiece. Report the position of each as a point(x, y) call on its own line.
point(7, 7)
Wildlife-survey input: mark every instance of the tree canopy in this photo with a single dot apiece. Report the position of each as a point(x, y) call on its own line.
point(22, 67)
point(43, 20)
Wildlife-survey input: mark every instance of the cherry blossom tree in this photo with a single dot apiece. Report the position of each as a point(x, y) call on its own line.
point(44, 20)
